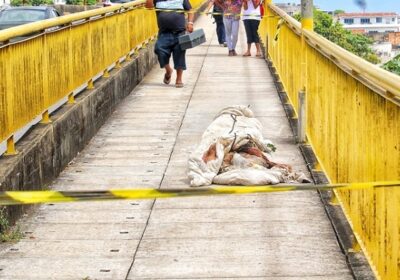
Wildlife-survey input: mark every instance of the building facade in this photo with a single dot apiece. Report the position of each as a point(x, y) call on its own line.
point(369, 23)
point(4, 2)
point(290, 8)
point(394, 38)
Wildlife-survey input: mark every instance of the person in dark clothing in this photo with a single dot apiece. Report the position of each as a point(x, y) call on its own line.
point(170, 26)
point(219, 21)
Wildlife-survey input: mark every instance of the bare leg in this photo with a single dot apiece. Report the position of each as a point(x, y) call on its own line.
point(258, 49)
point(168, 73)
point(247, 53)
point(168, 70)
point(179, 82)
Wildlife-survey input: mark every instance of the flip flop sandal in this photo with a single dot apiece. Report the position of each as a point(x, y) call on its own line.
point(179, 85)
point(167, 79)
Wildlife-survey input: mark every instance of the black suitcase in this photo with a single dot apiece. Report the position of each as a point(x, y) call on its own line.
point(191, 40)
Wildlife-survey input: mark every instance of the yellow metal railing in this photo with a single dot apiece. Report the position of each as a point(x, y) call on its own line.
point(353, 125)
point(40, 71)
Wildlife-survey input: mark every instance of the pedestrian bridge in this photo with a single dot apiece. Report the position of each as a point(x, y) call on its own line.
point(71, 80)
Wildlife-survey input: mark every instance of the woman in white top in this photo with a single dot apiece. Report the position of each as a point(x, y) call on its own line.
point(251, 19)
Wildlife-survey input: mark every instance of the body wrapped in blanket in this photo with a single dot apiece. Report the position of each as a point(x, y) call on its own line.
point(233, 151)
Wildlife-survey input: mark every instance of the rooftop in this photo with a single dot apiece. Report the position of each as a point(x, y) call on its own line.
point(366, 14)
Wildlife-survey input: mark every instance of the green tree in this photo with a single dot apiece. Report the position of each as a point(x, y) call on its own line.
point(393, 65)
point(358, 44)
point(41, 2)
point(16, 3)
point(74, 2)
point(336, 12)
point(81, 2)
point(30, 2)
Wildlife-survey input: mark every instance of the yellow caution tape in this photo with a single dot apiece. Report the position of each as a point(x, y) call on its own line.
point(278, 29)
point(35, 197)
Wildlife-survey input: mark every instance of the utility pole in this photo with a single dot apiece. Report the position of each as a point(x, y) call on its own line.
point(307, 21)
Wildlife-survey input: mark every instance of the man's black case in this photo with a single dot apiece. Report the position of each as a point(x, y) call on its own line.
point(192, 40)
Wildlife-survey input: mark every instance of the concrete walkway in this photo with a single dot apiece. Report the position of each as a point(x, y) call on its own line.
point(146, 143)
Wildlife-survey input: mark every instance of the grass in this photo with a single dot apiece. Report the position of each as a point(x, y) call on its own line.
point(8, 233)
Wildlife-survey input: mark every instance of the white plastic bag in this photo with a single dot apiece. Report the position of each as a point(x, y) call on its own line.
point(233, 151)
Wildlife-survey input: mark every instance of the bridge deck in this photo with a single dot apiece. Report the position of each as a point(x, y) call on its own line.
point(146, 143)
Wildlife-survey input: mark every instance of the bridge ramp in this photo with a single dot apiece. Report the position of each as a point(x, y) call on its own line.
point(146, 143)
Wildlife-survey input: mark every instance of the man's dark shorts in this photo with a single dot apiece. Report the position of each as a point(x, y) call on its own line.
point(166, 44)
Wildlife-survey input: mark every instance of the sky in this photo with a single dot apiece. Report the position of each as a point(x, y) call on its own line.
point(349, 6)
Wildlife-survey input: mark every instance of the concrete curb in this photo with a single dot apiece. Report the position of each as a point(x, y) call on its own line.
point(47, 149)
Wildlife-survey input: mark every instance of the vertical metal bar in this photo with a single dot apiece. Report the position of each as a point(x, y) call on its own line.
point(10, 92)
point(355, 247)
point(46, 86)
point(71, 98)
point(11, 147)
point(302, 120)
point(118, 64)
point(90, 54)
point(333, 200)
point(306, 24)
point(45, 117)
point(71, 75)
point(267, 15)
point(90, 84)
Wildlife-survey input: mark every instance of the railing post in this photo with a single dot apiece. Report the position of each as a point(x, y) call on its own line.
point(90, 84)
point(302, 117)
point(11, 147)
point(106, 74)
point(355, 246)
point(45, 118)
point(71, 98)
point(334, 199)
point(267, 19)
point(307, 23)
point(118, 64)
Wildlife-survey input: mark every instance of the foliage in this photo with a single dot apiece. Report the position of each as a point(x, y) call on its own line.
point(358, 44)
point(50, 2)
point(31, 2)
point(393, 65)
point(7, 233)
point(81, 2)
point(41, 2)
point(336, 12)
point(17, 2)
point(74, 2)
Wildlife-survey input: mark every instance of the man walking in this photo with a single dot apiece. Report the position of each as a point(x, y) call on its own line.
point(171, 25)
